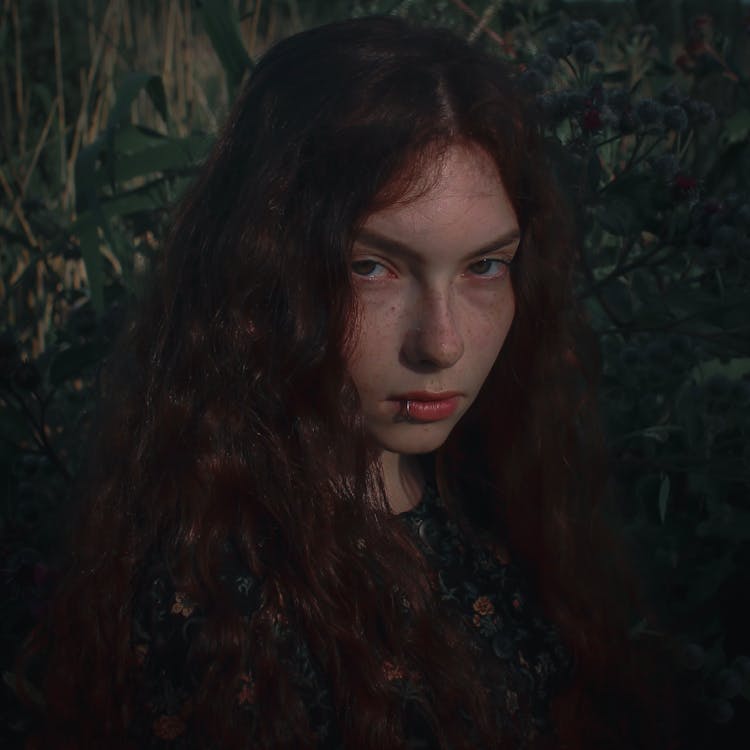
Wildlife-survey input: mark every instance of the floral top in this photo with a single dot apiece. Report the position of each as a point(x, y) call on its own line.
point(484, 588)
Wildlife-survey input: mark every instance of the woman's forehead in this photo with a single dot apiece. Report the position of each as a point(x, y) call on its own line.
point(466, 206)
point(433, 170)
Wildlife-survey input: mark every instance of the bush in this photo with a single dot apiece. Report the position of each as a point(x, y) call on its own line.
point(654, 147)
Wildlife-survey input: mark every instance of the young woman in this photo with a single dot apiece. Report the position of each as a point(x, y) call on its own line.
point(346, 480)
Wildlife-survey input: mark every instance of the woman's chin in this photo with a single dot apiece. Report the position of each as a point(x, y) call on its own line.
point(411, 439)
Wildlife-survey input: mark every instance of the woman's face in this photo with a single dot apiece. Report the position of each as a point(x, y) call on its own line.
point(433, 286)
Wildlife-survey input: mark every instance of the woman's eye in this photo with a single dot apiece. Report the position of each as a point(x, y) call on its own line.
point(369, 269)
point(489, 267)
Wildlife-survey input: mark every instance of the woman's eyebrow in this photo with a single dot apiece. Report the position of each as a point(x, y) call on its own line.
point(379, 241)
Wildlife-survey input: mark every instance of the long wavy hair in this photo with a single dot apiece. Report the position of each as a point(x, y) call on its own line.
point(227, 413)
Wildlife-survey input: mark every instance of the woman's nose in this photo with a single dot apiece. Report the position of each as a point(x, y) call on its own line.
point(434, 338)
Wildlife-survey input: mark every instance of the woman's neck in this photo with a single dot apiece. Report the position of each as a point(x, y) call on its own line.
point(403, 480)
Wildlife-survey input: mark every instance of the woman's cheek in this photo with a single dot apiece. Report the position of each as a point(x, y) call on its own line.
point(488, 309)
point(380, 319)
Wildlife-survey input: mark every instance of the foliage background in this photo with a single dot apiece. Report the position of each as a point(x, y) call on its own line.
point(107, 109)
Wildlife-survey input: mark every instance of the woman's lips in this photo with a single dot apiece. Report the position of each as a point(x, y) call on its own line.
point(422, 406)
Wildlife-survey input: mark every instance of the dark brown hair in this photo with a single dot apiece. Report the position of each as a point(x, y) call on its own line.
point(208, 432)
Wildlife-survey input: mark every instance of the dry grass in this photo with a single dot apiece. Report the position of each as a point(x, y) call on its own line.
point(40, 149)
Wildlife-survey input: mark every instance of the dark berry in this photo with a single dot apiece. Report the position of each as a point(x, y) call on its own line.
point(550, 106)
point(648, 111)
point(585, 52)
point(593, 29)
point(576, 32)
point(675, 118)
point(692, 656)
point(720, 711)
point(671, 95)
point(699, 113)
point(532, 80)
point(573, 102)
point(666, 166)
point(728, 683)
point(724, 236)
point(611, 119)
point(630, 356)
point(733, 201)
point(713, 257)
point(557, 47)
point(684, 185)
point(618, 99)
point(545, 64)
point(658, 352)
point(706, 113)
point(592, 120)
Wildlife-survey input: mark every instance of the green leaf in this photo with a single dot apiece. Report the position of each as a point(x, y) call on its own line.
point(87, 230)
point(737, 127)
point(222, 26)
point(147, 198)
point(618, 217)
point(663, 496)
point(88, 237)
point(130, 86)
point(85, 176)
point(617, 296)
point(91, 218)
point(639, 190)
point(644, 289)
point(733, 369)
point(172, 154)
point(130, 138)
point(598, 319)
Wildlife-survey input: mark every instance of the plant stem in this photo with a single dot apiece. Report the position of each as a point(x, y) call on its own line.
point(60, 91)
point(464, 8)
point(19, 79)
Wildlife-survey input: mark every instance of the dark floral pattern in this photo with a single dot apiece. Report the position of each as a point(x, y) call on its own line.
point(499, 616)
point(525, 660)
